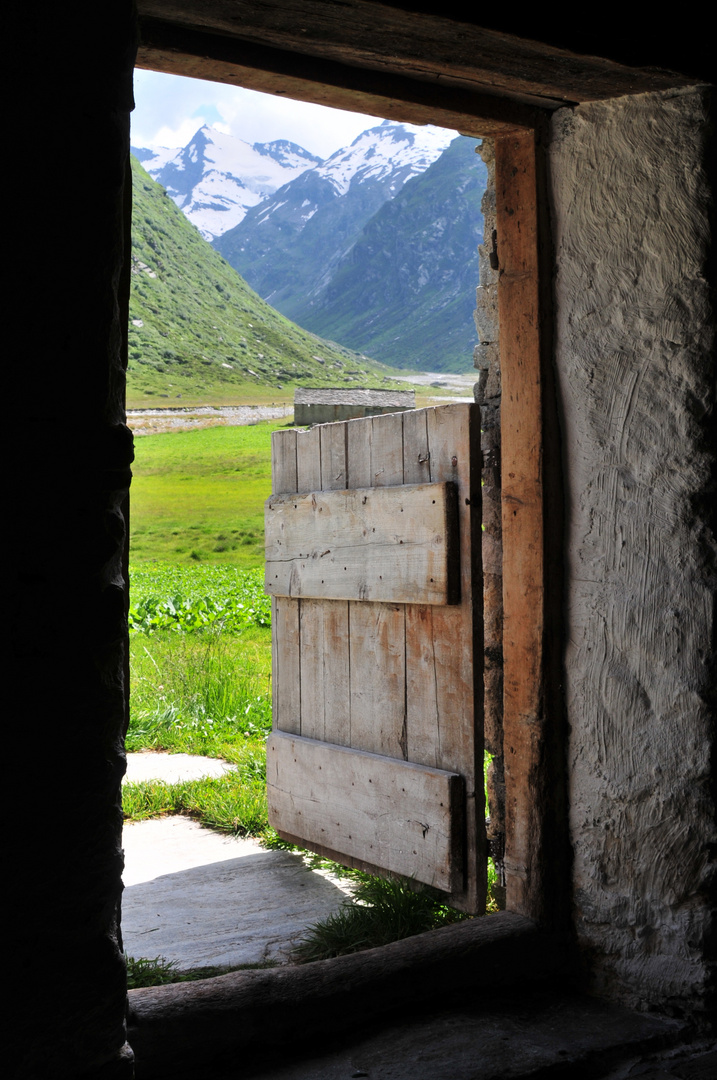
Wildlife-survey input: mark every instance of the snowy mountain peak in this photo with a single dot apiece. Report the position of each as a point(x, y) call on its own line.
point(287, 154)
point(389, 149)
point(216, 178)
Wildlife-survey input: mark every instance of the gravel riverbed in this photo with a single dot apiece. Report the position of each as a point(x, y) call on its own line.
point(155, 421)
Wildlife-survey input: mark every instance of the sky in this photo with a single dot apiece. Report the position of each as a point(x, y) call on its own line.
point(170, 108)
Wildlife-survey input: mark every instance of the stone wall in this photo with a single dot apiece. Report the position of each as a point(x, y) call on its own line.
point(631, 208)
point(68, 454)
point(328, 405)
point(486, 358)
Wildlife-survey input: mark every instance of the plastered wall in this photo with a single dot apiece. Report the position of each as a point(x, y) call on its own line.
point(634, 336)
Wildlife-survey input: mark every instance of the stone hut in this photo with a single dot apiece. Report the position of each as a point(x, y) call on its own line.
point(603, 256)
point(327, 405)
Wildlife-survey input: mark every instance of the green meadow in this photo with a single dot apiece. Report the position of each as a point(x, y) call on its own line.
point(200, 622)
point(200, 668)
point(198, 496)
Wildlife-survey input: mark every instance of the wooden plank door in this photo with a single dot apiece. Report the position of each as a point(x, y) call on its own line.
point(373, 561)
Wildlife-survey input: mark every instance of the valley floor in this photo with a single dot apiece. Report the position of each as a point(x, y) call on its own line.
point(155, 421)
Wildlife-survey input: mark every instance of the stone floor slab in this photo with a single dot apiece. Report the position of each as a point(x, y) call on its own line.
point(172, 768)
point(201, 898)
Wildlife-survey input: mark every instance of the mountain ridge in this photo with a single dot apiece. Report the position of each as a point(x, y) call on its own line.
point(406, 288)
point(289, 246)
point(198, 334)
point(313, 248)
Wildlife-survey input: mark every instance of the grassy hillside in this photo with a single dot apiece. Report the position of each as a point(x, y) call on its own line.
point(199, 334)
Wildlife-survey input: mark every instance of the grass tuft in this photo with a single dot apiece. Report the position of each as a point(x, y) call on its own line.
point(150, 971)
point(381, 910)
point(234, 803)
point(204, 693)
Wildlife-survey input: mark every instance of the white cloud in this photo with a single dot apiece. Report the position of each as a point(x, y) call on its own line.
point(170, 136)
point(170, 108)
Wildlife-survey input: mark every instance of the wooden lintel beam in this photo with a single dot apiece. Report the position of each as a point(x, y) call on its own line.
point(433, 99)
point(436, 45)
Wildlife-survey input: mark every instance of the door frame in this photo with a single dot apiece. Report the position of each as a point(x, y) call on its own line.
point(536, 846)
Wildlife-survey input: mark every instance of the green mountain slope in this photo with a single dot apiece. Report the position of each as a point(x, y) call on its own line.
point(406, 289)
point(287, 259)
point(199, 334)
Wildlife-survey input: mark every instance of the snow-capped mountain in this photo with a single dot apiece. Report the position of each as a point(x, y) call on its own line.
point(216, 178)
point(390, 152)
point(288, 246)
point(375, 247)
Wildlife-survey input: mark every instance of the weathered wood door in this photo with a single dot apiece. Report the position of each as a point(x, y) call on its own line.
point(373, 559)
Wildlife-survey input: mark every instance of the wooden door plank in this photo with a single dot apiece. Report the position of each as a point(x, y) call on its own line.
point(454, 441)
point(384, 544)
point(308, 460)
point(421, 702)
point(422, 715)
point(379, 811)
point(337, 697)
point(416, 455)
point(283, 461)
point(311, 661)
point(330, 672)
point(285, 668)
point(311, 612)
point(378, 673)
point(362, 616)
point(387, 450)
point(325, 671)
point(359, 441)
point(311, 630)
point(333, 456)
point(378, 631)
point(439, 647)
